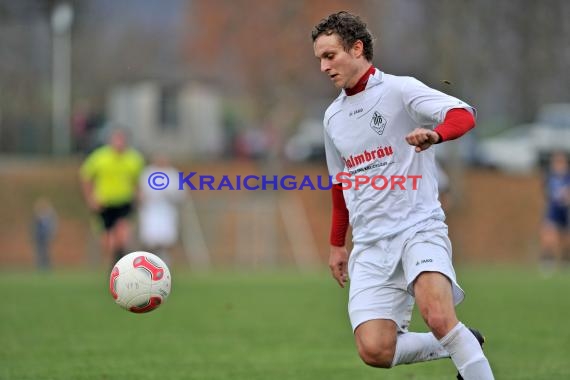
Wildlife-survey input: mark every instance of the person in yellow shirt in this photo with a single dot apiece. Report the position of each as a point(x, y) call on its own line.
point(109, 178)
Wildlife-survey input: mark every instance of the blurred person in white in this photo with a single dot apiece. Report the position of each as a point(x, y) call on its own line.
point(44, 229)
point(555, 226)
point(159, 217)
point(383, 125)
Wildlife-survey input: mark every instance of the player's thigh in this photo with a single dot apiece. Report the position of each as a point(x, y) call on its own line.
point(107, 218)
point(550, 232)
point(434, 298)
point(431, 252)
point(378, 288)
point(122, 223)
point(122, 229)
point(431, 278)
point(433, 287)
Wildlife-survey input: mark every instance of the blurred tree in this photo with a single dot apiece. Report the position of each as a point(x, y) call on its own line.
point(24, 76)
point(126, 41)
point(261, 46)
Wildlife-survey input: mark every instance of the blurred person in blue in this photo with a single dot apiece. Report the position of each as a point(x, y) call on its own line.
point(44, 229)
point(555, 231)
point(109, 178)
point(158, 212)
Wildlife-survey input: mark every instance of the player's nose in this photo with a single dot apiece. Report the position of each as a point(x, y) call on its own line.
point(325, 66)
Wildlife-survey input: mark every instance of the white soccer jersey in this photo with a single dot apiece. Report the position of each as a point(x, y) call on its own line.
point(365, 136)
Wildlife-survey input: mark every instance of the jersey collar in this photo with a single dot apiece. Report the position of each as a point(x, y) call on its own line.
point(373, 80)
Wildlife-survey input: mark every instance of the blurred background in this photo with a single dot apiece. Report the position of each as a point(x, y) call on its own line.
point(232, 87)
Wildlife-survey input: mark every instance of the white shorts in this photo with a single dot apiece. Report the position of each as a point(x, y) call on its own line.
point(382, 274)
point(158, 226)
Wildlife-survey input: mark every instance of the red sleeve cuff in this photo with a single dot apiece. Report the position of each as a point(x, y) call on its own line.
point(339, 225)
point(457, 122)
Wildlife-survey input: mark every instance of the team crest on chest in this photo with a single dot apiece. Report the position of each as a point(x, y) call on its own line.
point(378, 123)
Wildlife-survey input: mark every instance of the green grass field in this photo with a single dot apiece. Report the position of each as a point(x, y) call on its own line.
point(281, 325)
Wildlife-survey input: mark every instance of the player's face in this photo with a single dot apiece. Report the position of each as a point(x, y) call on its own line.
point(340, 65)
point(559, 163)
point(119, 141)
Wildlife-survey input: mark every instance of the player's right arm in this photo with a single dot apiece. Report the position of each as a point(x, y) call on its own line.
point(87, 174)
point(338, 256)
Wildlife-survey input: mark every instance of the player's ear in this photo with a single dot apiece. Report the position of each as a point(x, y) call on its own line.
point(357, 49)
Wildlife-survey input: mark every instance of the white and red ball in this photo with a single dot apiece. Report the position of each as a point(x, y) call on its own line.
point(140, 282)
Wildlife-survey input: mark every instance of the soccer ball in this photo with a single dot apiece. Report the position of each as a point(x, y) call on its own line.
point(140, 282)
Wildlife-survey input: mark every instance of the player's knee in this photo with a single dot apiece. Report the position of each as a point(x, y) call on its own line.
point(379, 356)
point(440, 323)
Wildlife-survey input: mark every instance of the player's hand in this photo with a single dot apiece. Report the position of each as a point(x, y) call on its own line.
point(422, 138)
point(338, 263)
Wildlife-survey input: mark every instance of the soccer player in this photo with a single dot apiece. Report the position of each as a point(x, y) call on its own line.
point(109, 178)
point(554, 233)
point(384, 125)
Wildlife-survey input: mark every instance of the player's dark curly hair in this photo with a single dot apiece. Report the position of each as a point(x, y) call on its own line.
point(349, 27)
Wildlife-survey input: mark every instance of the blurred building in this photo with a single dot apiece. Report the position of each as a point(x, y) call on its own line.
point(182, 120)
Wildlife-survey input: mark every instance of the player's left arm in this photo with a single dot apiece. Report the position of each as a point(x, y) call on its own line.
point(457, 122)
point(429, 107)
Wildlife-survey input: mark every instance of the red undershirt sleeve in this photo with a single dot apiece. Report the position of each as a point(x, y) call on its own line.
point(339, 225)
point(457, 122)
